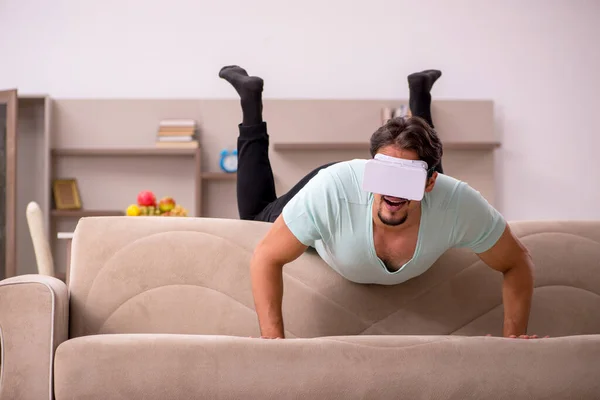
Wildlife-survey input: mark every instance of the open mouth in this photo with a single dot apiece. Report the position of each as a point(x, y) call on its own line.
point(394, 203)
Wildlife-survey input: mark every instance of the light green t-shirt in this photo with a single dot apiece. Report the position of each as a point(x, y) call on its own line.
point(332, 214)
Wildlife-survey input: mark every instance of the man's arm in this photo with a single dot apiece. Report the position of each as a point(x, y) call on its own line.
point(510, 257)
point(278, 248)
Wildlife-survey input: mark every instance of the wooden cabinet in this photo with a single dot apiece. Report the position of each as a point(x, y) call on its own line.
point(8, 138)
point(24, 131)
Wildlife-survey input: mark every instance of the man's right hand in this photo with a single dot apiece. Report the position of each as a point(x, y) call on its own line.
point(278, 248)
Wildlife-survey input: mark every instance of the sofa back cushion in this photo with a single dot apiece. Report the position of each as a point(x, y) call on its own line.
point(191, 276)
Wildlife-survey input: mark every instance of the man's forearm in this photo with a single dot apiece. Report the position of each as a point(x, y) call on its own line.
point(516, 292)
point(267, 289)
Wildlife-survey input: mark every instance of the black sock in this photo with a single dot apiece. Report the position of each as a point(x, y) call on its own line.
point(419, 85)
point(250, 90)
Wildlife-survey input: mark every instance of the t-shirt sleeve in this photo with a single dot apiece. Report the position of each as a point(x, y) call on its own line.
point(309, 215)
point(478, 225)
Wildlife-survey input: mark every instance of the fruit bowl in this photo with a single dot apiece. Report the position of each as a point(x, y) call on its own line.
point(148, 206)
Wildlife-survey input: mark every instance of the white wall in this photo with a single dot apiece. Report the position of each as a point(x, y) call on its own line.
point(538, 60)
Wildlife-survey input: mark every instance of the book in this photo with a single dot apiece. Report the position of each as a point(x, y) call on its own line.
point(175, 138)
point(168, 128)
point(178, 145)
point(176, 133)
point(181, 123)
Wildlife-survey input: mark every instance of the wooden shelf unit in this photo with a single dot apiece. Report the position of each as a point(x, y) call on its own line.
point(105, 121)
point(26, 162)
point(122, 152)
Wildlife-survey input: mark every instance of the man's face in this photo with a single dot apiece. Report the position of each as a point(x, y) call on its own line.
point(394, 211)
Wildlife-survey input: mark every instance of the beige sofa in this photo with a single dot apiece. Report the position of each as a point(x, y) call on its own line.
point(161, 308)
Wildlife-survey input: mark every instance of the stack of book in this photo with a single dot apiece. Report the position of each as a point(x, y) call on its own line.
point(177, 134)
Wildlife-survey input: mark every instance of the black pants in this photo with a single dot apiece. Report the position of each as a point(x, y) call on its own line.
point(255, 182)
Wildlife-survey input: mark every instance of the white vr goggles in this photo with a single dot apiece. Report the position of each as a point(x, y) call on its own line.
point(397, 177)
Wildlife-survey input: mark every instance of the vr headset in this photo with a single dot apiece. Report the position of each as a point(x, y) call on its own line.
point(397, 177)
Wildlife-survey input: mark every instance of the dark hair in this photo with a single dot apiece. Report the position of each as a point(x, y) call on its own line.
point(410, 133)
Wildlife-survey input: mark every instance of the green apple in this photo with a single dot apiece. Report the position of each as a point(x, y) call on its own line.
point(166, 204)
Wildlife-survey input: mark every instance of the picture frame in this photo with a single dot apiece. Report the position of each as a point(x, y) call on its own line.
point(66, 194)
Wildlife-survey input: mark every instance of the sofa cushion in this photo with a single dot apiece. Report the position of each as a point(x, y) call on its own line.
point(191, 276)
point(130, 366)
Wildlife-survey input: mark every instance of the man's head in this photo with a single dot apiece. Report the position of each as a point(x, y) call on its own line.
point(409, 138)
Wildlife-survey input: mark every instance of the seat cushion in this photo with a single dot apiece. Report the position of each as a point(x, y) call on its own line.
point(165, 366)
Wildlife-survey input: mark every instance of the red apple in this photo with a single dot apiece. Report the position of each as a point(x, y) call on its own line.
point(146, 198)
point(166, 204)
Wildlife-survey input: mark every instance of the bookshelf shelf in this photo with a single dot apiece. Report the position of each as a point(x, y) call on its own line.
point(321, 146)
point(86, 213)
point(325, 146)
point(123, 151)
point(219, 176)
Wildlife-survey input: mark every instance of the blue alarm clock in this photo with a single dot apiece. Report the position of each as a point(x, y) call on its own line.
point(229, 161)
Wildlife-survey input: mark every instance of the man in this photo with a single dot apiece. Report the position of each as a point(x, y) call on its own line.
point(369, 237)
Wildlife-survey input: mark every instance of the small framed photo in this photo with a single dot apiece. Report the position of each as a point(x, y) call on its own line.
point(66, 194)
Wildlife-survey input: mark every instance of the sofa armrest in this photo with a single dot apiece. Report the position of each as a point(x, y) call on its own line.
point(33, 322)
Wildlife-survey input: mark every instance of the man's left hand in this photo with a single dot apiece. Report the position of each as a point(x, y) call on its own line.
point(527, 337)
point(510, 257)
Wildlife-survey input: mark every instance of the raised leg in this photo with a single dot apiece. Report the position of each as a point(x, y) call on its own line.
point(256, 195)
point(419, 85)
point(255, 183)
